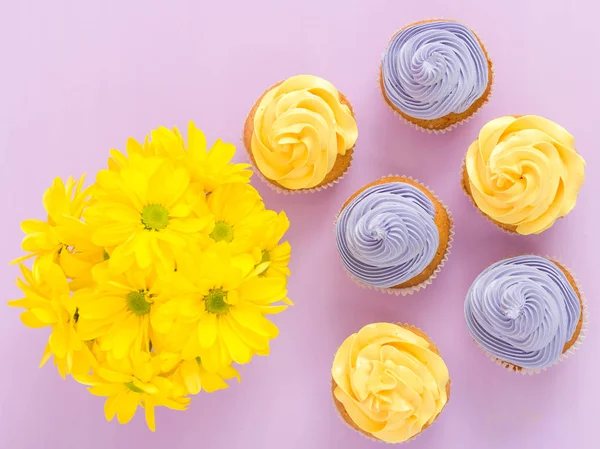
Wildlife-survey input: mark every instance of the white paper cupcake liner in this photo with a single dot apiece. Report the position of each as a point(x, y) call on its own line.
point(569, 352)
point(472, 201)
point(299, 191)
point(372, 438)
point(453, 125)
point(409, 290)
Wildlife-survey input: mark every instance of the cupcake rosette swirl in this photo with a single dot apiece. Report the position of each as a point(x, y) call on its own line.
point(337, 173)
point(422, 285)
point(345, 418)
point(572, 348)
point(507, 229)
point(480, 103)
point(505, 168)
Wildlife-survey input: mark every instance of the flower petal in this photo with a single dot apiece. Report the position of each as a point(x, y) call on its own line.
point(188, 225)
point(127, 405)
point(207, 330)
point(238, 350)
point(253, 320)
point(125, 336)
point(191, 377)
point(196, 142)
point(150, 419)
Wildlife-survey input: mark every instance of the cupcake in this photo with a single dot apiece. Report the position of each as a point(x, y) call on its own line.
point(300, 134)
point(389, 382)
point(393, 235)
point(523, 173)
point(526, 312)
point(436, 74)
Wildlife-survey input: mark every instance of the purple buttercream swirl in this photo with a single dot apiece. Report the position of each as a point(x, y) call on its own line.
point(523, 310)
point(433, 69)
point(387, 234)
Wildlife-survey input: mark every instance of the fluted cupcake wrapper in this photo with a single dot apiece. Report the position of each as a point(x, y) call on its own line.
point(299, 191)
point(472, 201)
point(429, 280)
point(569, 352)
point(453, 125)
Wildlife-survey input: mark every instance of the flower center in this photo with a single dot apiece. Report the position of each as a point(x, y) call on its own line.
point(222, 232)
point(155, 217)
point(215, 301)
point(266, 257)
point(137, 302)
point(133, 388)
point(105, 255)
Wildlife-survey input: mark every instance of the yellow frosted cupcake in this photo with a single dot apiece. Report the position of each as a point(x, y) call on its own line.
point(523, 173)
point(300, 134)
point(389, 382)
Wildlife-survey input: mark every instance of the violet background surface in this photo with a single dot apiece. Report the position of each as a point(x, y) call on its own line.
point(79, 77)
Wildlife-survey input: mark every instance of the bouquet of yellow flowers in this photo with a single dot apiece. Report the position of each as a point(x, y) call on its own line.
point(156, 279)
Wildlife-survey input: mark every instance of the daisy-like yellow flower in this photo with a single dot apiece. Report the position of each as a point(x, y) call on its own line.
point(129, 383)
point(274, 257)
point(149, 148)
point(147, 211)
point(218, 312)
point(210, 168)
point(63, 204)
point(155, 280)
point(239, 217)
point(63, 236)
point(116, 313)
point(49, 303)
point(190, 376)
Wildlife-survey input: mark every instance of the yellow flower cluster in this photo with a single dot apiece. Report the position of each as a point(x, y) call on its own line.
point(158, 278)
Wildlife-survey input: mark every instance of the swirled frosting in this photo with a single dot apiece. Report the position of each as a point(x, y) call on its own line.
point(300, 128)
point(523, 310)
point(390, 381)
point(432, 69)
point(387, 234)
point(525, 172)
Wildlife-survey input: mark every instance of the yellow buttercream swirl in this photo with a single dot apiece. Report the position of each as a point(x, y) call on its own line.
point(390, 381)
point(300, 128)
point(524, 172)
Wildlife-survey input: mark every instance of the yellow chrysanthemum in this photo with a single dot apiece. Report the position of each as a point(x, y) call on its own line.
point(49, 303)
point(147, 211)
point(210, 168)
point(275, 257)
point(239, 217)
point(63, 203)
point(129, 383)
point(63, 236)
point(190, 376)
point(116, 313)
point(219, 311)
point(159, 277)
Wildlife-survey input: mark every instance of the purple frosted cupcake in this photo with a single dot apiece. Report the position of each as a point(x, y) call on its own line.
point(436, 74)
point(393, 235)
point(526, 312)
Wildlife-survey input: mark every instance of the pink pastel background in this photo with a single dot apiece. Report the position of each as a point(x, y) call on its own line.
point(79, 77)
